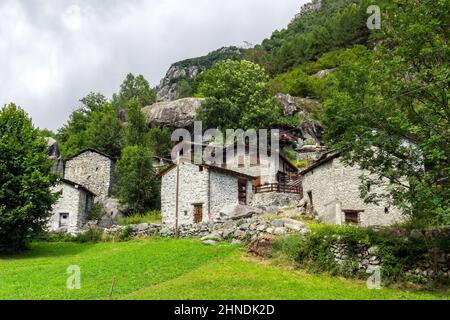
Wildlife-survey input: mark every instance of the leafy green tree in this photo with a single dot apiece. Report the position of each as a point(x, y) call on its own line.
point(137, 129)
point(390, 114)
point(73, 136)
point(134, 87)
point(105, 131)
point(160, 140)
point(25, 180)
point(137, 187)
point(237, 97)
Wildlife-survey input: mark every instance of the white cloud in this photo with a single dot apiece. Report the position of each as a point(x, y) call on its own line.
point(54, 52)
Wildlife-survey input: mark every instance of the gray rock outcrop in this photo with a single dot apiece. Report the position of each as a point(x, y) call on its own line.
point(173, 114)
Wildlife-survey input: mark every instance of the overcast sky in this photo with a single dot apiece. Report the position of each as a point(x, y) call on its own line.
point(54, 52)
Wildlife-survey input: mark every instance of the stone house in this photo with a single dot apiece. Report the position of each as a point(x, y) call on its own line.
point(94, 170)
point(331, 189)
point(70, 212)
point(192, 194)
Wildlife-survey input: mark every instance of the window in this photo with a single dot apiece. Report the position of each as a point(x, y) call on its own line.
point(242, 192)
point(63, 220)
point(310, 197)
point(352, 216)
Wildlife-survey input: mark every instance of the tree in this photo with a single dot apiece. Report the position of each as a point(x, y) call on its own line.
point(160, 140)
point(26, 180)
point(389, 113)
point(73, 136)
point(137, 186)
point(137, 88)
point(237, 97)
point(105, 131)
point(137, 129)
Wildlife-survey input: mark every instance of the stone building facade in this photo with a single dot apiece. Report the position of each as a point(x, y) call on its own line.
point(93, 170)
point(332, 190)
point(70, 212)
point(203, 191)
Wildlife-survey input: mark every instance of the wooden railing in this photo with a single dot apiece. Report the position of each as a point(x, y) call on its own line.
point(277, 187)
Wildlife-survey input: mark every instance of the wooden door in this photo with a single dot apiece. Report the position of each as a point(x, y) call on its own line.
point(242, 192)
point(198, 213)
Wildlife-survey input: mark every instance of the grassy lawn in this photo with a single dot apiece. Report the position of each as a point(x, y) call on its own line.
point(170, 269)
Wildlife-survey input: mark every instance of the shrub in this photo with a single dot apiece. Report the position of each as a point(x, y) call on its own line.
point(96, 212)
point(397, 253)
point(126, 234)
point(148, 217)
point(91, 235)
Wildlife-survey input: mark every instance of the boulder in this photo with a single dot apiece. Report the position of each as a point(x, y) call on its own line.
point(215, 236)
point(106, 222)
point(293, 224)
point(236, 212)
point(280, 231)
point(209, 242)
point(173, 114)
point(278, 223)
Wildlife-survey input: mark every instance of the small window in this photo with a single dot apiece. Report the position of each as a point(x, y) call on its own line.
point(63, 220)
point(200, 168)
point(310, 197)
point(386, 210)
point(352, 216)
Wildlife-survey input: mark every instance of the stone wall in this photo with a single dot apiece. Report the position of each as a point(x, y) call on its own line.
point(276, 199)
point(335, 187)
point(73, 201)
point(93, 171)
point(194, 188)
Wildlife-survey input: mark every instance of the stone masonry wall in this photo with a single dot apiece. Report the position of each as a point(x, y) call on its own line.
point(72, 201)
point(276, 199)
point(93, 171)
point(193, 189)
point(335, 187)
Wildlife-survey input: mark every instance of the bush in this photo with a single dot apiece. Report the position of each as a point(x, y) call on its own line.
point(92, 235)
point(96, 212)
point(126, 234)
point(148, 217)
point(398, 254)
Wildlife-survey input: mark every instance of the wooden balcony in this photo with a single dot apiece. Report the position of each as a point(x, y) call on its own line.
point(277, 187)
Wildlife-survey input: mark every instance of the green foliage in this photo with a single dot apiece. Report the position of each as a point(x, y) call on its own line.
point(389, 112)
point(160, 140)
point(92, 235)
point(105, 132)
point(126, 234)
point(302, 82)
point(96, 212)
point(398, 254)
point(301, 164)
point(339, 24)
point(237, 97)
point(148, 217)
point(137, 185)
point(134, 87)
point(137, 129)
point(95, 124)
point(26, 180)
point(184, 89)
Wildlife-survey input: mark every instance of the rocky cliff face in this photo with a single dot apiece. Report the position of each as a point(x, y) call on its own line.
point(187, 70)
point(309, 8)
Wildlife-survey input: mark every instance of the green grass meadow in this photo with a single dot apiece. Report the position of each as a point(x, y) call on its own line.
point(171, 269)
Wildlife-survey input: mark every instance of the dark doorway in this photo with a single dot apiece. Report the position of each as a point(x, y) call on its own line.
point(198, 213)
